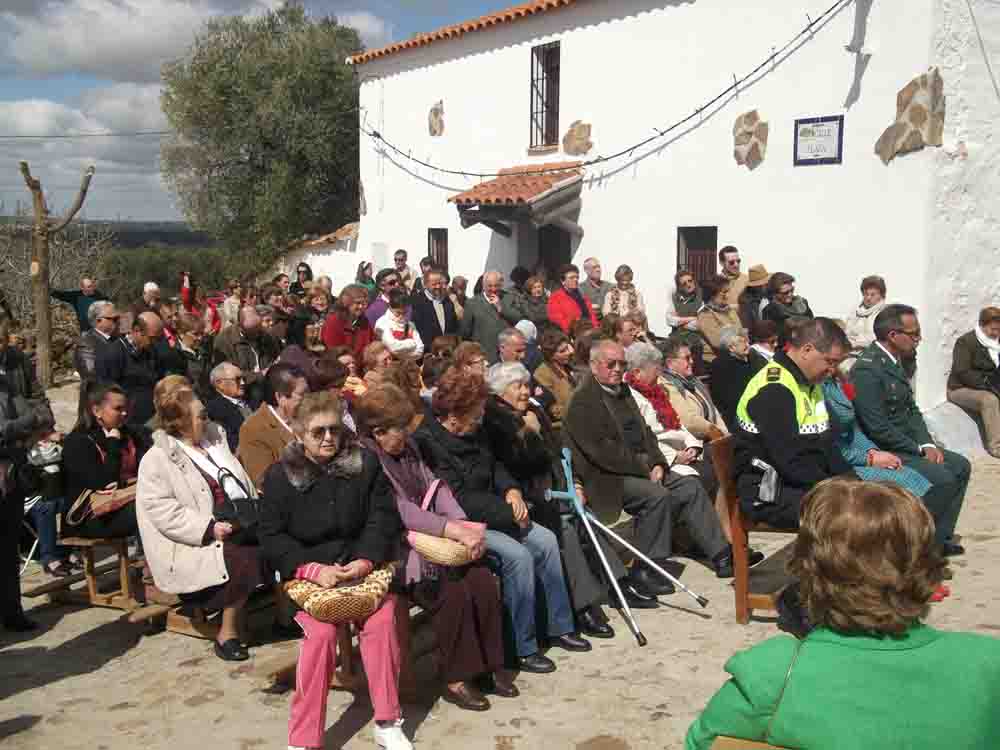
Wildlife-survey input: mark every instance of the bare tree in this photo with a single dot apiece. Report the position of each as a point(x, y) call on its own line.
point(43, 228)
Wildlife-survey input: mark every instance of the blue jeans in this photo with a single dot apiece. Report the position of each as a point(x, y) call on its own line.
point(521, 557)
point(43, 514)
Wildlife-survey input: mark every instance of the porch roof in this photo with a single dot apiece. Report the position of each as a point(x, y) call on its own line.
point(521, 185)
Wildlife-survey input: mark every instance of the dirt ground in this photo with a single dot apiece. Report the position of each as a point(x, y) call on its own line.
point(88, 680)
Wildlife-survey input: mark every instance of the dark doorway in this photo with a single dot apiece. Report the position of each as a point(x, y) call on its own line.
point(437, 247)
point(697, 251)
point(554, 250)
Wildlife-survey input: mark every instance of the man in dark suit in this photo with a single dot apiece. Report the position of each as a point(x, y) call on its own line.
point(433, 311)
point(102, 320)
point(888, 412)
point(131, 363)
point(227, 408)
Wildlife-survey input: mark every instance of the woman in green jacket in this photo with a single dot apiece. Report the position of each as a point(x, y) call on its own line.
point(870, 675)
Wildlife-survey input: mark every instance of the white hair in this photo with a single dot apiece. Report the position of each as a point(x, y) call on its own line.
point(503, 375)
point(642, 354)
point(730, 334)
point(600, 347)
point(492, 274)
point(221, 371)
point(590, 263)
point(528, 329)
point(150, 286)
point(97, 310)
point(507, 335)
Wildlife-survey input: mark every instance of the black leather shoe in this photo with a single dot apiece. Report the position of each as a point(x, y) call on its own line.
point(231, 650)
point(756, 556)
point(723, 563)
point(644, 580)
point(570, 642)
point(501, 684)
point(536, 664)
point(592, 623)
point(951, 549)
point(637, 599)
point(465, 696)
point(19, 624)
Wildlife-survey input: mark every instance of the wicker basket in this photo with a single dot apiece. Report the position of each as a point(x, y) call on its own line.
point(343, 603)
point(439, 550)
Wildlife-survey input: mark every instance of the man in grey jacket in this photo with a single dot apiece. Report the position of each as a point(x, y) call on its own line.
point(97, 339)
point(482, 321)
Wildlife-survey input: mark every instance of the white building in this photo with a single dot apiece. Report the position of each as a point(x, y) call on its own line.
point(512, 83)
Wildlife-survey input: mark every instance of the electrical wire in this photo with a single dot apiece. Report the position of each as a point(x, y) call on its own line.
point(659, 133)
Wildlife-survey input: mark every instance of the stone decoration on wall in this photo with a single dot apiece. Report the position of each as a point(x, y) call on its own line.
point(435, 120)
point(920, 108)
point(577, 141)
point(750, 140)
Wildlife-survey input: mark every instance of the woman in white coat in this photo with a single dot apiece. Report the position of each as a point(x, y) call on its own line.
point(185, 479)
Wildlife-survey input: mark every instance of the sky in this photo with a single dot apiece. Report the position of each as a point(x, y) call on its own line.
point(81, 66)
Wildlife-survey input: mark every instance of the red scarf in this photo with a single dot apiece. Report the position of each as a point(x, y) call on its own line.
point(658, 398)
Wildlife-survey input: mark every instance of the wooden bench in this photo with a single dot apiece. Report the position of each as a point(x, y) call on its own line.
point(757, 589)
point(734, 743)
point(120, 598)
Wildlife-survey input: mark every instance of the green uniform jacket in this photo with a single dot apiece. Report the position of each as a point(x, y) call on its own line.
point(924, 691)
point(886, 407)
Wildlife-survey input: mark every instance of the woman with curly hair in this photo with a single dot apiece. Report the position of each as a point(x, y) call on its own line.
point(869, 674)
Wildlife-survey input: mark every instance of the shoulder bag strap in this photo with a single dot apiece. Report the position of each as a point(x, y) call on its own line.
point(429, 495)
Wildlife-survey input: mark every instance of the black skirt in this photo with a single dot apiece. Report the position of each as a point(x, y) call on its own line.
point(245, 569)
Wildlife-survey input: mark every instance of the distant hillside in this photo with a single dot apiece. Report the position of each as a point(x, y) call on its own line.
point(135, 234)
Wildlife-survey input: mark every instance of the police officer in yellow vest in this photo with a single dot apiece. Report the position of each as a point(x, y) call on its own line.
point(784, 444)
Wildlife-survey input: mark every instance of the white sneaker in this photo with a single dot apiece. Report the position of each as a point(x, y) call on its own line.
point(392, 737)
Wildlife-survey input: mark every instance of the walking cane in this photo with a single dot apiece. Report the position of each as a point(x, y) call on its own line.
point(697, 597)
point(573, 498)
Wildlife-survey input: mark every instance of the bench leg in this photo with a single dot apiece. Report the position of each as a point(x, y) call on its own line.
point(90, 573)
point(121, 549)
point(741, 569)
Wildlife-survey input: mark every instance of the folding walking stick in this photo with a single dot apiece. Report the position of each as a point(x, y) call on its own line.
point(574, 499)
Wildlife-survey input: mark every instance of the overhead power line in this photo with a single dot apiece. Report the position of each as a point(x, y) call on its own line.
point(659, 133)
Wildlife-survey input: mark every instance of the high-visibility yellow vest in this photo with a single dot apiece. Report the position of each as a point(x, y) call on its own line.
point(810, 407)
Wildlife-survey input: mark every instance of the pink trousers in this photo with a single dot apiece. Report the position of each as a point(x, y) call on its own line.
point(318, 660)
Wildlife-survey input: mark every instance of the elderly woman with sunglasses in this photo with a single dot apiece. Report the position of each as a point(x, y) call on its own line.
point(329, 516)
point(186, 481)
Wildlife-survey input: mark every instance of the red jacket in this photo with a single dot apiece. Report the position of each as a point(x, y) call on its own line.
point(564, 311)
point(338, 332)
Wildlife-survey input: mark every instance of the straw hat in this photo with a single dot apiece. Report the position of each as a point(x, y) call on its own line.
point(758, 276)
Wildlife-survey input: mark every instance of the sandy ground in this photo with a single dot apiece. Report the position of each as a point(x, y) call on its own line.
point(87, 680)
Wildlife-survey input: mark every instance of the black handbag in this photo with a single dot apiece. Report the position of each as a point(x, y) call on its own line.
point(242, 512)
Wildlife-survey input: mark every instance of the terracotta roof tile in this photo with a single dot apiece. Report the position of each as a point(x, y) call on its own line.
point(514, 186)
point(508, 15)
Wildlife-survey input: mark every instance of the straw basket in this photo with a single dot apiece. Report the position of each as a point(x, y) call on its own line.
point(343, 603)
point(439, 550)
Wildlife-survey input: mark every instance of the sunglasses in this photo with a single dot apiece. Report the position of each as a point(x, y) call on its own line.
point(318, 433)
point(240, 379)
point(115, 318)
point(615, 364)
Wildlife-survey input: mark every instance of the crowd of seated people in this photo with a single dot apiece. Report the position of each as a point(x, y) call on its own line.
point(405, 389)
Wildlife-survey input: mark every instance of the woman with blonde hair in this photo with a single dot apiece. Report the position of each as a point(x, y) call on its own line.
point(185, 481)
point(624, 297)
point(870, 674)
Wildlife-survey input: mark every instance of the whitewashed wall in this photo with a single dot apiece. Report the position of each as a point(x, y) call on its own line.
point(633, 64)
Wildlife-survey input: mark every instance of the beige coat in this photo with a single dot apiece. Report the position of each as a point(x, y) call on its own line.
point(560, 388)
point(174, 507)
point(711, 323)
point(262, 439)
point(689, 410)
point(738, 285)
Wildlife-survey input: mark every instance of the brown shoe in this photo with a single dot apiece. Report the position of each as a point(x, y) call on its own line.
point(503, 684)
point(465, 696)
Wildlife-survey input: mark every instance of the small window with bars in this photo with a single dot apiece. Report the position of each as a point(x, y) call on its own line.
point(545, 95)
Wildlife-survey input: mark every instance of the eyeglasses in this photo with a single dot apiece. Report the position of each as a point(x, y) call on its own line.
point(616, 364)
point(733, 261)
point(318, 433)
point(915, 335)
point(785, 292)
point(239, 379)
point(391, 282)
point(115, 318)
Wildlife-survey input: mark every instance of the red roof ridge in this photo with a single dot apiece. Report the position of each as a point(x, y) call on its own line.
point(508, 15)
point(519, 185)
